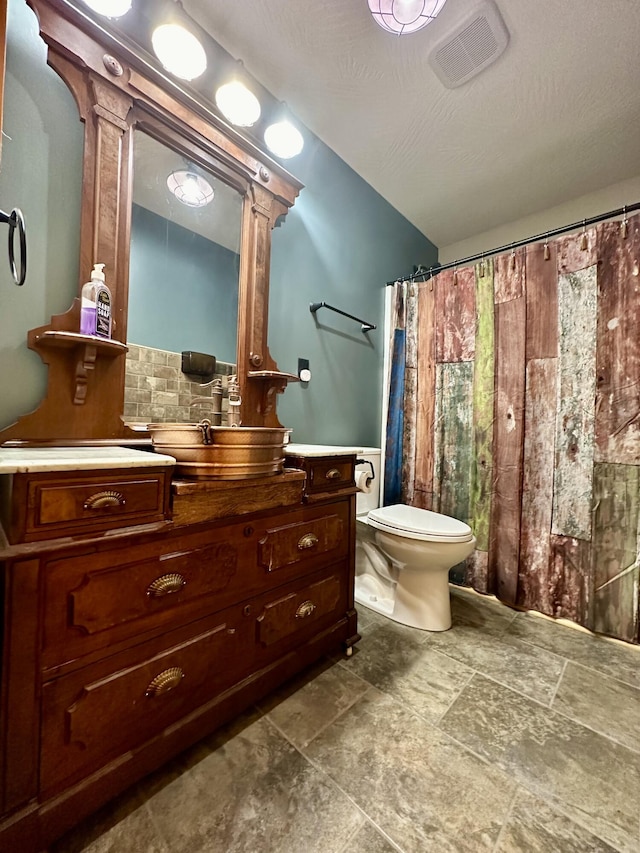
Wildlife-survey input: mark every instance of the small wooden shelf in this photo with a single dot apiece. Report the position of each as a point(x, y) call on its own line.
point(270, 383)
point(273, 374)
point(69, 340)
point(85, 349)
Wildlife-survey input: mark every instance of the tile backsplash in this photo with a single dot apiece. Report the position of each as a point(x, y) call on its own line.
point(157, 391)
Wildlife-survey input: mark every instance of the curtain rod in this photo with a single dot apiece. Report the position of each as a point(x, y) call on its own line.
point(426, 274)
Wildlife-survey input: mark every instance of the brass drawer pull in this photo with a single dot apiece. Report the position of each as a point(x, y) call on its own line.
point(305, 609)
point(307, 541)
point(164, 681)
point(166, 584)
point(102, 500)
point(333, 474)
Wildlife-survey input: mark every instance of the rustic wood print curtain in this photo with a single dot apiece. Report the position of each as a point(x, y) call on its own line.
point(521, 416)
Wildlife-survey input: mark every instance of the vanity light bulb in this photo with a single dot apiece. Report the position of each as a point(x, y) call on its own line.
point(179, 51)
point(109, 8)
point(283, 139)
point(238, 104)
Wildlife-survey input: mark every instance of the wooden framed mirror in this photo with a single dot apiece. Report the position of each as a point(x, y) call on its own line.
point(123, 97)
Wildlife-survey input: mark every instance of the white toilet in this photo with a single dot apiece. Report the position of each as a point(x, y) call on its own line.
point(403, 555)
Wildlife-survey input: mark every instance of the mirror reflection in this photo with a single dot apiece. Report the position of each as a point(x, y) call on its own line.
point(184, 255)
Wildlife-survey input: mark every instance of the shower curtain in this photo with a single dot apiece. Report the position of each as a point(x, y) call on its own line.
point(514, 405)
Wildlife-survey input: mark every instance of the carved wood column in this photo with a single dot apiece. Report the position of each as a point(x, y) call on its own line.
point(262, 210)
point(111, 189)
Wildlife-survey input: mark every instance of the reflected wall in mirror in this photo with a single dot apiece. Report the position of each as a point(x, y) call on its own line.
point(184, 257)
point(184, 267)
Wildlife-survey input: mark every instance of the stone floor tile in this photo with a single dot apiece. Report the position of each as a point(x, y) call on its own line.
point(521, 666)
point(619, 660)
point(413, 673)
point(536, 827)
point(605, 704)
point(366, 617)
point(112, 829)
point(306, 705)
point(368, 840)
point(424, 791)
point(479, 611)
point(589, 778)
point(256, 793)
point(373, 622)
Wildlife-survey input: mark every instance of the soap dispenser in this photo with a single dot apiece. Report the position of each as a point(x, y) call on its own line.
point(88, 308)
point(95, 305)
point(103, 303)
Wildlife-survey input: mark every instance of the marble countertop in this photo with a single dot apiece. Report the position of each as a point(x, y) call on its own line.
point(21, 460)
point(320, 450)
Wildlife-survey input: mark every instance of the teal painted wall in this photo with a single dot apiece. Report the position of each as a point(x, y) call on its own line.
point(339, 244)
point(41, 173)
point(186, 289)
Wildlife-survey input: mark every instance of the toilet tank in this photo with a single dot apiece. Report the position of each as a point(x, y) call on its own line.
point(366, 501)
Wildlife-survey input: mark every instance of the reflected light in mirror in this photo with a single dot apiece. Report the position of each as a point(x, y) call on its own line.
point(109, 8)
point(189, 188)
point(179, 51)
point(283, 139)
point(238, 104)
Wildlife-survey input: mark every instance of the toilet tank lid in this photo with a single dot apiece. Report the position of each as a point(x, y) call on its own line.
point(415, 523)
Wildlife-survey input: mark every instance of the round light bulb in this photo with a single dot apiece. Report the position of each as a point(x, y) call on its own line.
point(283, 139)
point(238, 104)
point(109, 8)
point(179, 51)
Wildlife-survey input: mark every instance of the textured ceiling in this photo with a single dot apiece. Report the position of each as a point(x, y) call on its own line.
point(557, 116)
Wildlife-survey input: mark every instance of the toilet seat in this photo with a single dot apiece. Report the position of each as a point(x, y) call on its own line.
point(414, 523)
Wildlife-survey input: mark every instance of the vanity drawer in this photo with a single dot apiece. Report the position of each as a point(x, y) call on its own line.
point(103, 596)
point(326, 474)
point(323, 532)
point(290, 616)
point(97, 713)
point(99, 598)
point(65, 505)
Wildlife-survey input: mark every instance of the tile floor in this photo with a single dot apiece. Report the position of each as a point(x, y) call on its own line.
point(507, 733)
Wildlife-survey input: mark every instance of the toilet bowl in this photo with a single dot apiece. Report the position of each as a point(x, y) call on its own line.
point(421, 547)
point(403, 557)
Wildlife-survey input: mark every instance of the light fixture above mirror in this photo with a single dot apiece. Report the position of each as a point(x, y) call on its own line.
point(238, 104)
point(189, 188)
point(404, 16)
point(179, 51)
point(283, 139)
point(174, 42)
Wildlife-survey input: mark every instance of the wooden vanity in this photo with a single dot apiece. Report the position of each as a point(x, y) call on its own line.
point(141, 610)
point(128, 637)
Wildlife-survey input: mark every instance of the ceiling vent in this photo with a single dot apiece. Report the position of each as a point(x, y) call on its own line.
point(477, 41)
